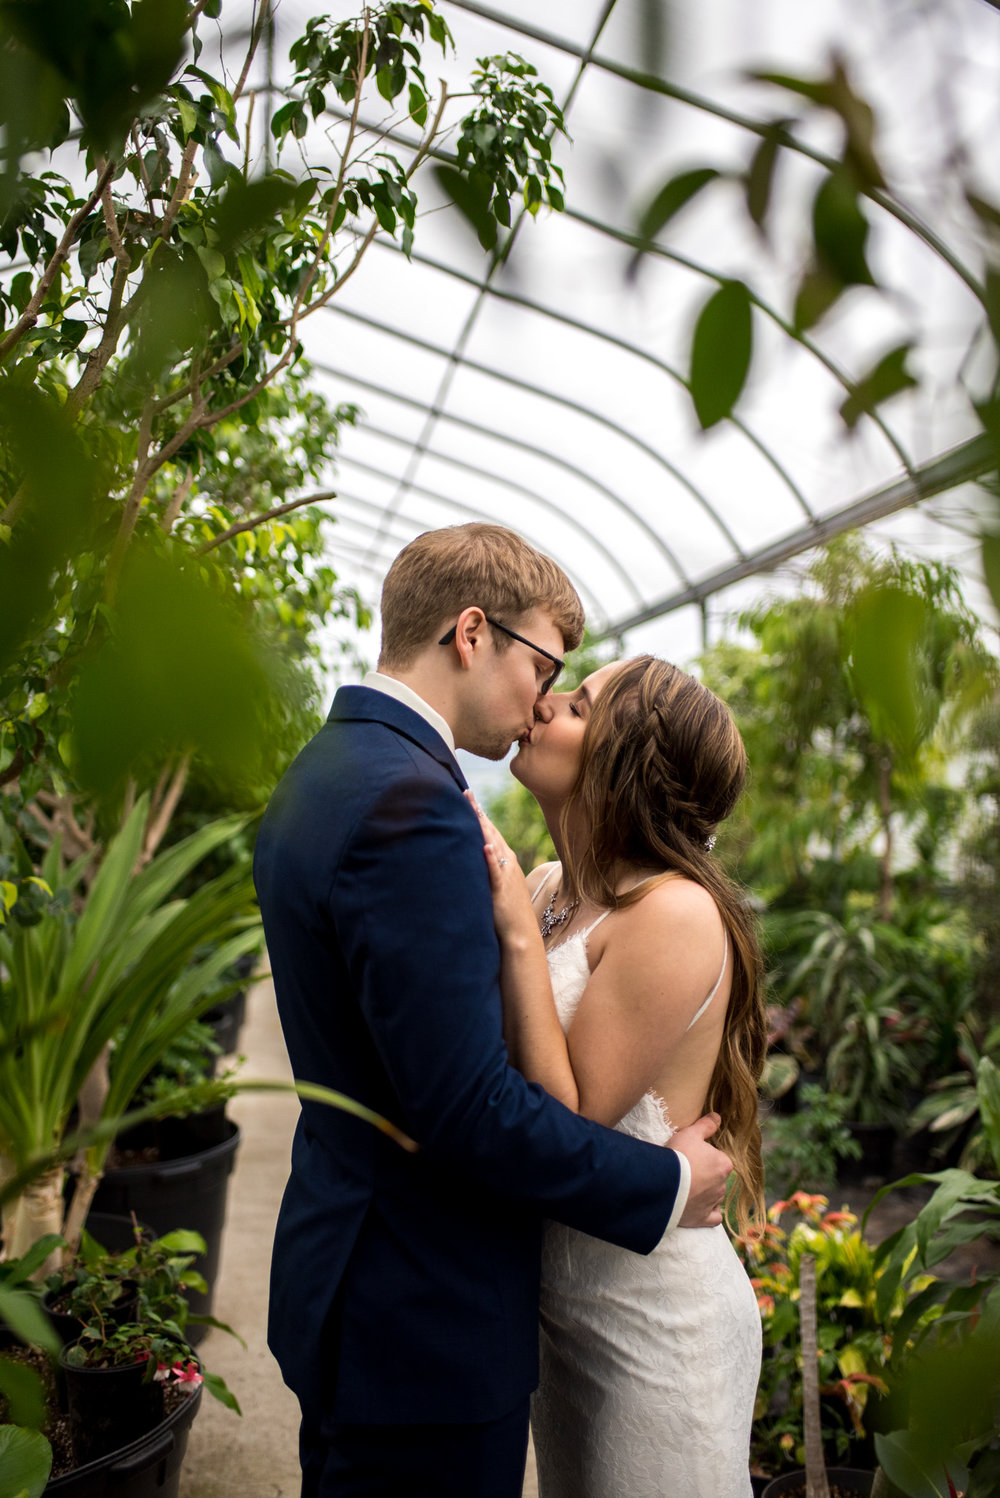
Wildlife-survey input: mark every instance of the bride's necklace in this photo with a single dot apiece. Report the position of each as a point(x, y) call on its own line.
point(550, 920)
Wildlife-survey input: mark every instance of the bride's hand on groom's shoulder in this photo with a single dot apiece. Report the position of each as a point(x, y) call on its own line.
point(512, 912)
point(710, 1170)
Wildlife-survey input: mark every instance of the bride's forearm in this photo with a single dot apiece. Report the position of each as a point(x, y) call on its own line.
point(535, 1040)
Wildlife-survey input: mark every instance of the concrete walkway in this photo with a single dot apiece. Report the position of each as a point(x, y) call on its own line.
point(256, 1456)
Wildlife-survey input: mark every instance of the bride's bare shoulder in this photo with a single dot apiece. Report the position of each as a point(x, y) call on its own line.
point(672, 906)
point(539, 875)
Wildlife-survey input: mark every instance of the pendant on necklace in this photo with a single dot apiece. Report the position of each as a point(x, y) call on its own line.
point(550, 920)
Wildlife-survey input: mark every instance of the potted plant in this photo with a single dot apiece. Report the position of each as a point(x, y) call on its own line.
point(73, 980)
point(125, 1381)
point(156, 1277)
point(114, 1377)
point(858, 1320)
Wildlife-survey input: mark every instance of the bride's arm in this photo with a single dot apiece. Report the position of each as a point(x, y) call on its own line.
point(535, 1041)
point(635, 1011)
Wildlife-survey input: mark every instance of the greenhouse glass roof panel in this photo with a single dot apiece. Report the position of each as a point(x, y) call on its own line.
point(549, 393)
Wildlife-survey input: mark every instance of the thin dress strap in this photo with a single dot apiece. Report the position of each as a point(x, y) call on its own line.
point(607, 912)
point(543, 882)
point(715, 990)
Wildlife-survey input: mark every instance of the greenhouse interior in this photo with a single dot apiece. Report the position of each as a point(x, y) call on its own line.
point(341, 1119)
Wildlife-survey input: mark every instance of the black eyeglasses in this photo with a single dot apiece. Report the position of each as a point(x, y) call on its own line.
point(549, 681)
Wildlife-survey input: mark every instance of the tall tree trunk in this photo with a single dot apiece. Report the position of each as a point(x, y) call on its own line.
point(37, 1211)
point(90, 1106)
point(887, 890)
point(7, 1213)
point(816, 1483)
point(87, 1182)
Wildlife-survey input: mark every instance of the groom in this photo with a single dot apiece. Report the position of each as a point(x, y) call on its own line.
point(404, 1286)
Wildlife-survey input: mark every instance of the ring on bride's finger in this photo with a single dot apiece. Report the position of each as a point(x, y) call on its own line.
point(501, 862)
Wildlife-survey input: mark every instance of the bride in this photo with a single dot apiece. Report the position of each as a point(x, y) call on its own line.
point(631, 982)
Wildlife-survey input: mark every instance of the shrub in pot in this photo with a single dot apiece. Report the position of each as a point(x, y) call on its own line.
point(78, 972)
point(114, 1382)
point(858, 1316)
point(160, 1276)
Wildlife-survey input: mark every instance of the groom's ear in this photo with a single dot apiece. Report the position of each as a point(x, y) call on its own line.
point(470, 636)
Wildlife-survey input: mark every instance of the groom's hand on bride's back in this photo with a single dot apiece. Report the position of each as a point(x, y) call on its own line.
point(710, 1170)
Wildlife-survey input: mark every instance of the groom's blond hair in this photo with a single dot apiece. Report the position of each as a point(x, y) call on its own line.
point(487, 566)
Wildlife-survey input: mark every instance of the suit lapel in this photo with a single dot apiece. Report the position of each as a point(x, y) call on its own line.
point(365, 705)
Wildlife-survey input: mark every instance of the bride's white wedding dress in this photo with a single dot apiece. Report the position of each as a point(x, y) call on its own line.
point(649, 1363)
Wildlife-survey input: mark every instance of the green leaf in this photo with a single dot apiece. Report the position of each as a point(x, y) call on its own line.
point(720, 353)
point(25, 1462)
point(183, 1241)
point(418, 105)
point(25, 1395)
point(816, 295)
point(214, 263)
point(385, 215)
point(760, 173)
point(905, 1467)
point(472, 202)
point(988, 1093)
point(189, 116)
point(887, 378)
point(840, 231)
point(23, 1314)
point(217, 1386)
point(672, 197)
point(884, 631)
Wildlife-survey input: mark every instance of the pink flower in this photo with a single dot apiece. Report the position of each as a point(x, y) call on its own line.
point(162, 1374)
point(187, 1376)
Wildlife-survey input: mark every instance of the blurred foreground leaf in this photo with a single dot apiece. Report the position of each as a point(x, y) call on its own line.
point(54, 482)
point(181, 671)
point(888, 377)
point(25, 1395)
point(885, 628)
point(721, 352)
point(25, 1462)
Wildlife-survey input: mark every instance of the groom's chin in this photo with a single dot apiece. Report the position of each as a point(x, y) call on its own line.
point(496, 749)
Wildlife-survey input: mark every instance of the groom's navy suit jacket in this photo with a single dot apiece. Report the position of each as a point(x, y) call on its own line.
point(404, 1287)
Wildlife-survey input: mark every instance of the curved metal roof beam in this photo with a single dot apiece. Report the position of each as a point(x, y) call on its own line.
point(507, 483)
point(460, 508)
point(568, 405)
point(630, 348)
point(960, 465)
point(494, 433)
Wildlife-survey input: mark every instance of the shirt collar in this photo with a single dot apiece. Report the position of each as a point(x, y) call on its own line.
point(392, 687)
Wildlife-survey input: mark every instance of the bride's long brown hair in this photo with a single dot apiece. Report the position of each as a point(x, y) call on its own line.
point(662, 765)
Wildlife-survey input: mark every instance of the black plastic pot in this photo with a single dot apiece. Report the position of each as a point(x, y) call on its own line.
point(878, 1145)
point(112, 1231)
point(150, 1467)
point(227, 1020)
point(847, 1479)
point(68, 1328)
point(186, 1190)
point(109, 1408)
